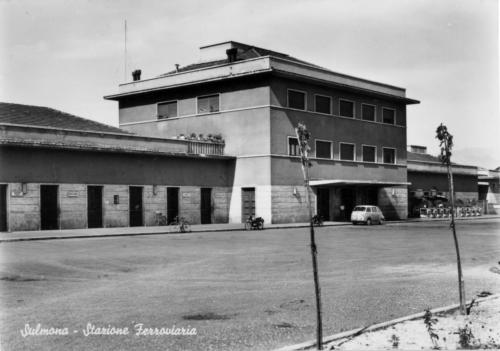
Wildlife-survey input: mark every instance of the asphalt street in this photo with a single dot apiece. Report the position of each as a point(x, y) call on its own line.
point(240, 290)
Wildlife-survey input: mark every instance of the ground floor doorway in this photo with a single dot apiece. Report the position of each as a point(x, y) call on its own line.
point(247, 203)
point(94, 206)
point(49, 209)
point(3, 207)
point(135, 206)
point(172, 204)
point(347, 203)
point(323, 203)
point(206, 206)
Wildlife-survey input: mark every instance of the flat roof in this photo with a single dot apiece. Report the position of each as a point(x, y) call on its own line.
point(254, 60)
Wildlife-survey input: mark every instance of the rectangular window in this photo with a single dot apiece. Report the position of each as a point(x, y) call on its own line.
point(369, 153)
point(388, 116)
point(389, 155)
point(323, 149)
point(167, 109)
point(323, 104)
point(368, 112)
point(208, 104)
point(346, 108)
point(296, 99)
point(293, 147)
point(347, 152)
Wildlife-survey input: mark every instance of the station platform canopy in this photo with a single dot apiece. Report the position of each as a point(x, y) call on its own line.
point(326, 182)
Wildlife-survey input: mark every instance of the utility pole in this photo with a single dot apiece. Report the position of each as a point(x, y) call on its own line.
point(303, 140)
point(125, 55)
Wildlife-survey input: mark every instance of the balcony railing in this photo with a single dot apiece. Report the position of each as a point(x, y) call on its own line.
point(205, 148)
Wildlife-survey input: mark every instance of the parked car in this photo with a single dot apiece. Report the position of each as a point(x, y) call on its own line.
point(367, 214)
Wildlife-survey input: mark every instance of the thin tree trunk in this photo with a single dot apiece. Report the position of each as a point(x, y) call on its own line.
point(461, 283)
point(317, 289)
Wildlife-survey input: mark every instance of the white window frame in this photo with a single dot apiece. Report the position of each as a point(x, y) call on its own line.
point(353, 108)
point(297, 91)
point(166, 102)
point(363, 156)
point(207, 95)
point(331, 104)
point(390, 109)
point(395, 155)
point(353, 153)
point(288, 137)
point(315, 149)
point(374, 112)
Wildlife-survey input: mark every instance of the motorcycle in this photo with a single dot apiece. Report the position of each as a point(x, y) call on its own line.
point(254, 223)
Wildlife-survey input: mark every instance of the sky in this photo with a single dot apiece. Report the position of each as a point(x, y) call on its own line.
point(69, 54)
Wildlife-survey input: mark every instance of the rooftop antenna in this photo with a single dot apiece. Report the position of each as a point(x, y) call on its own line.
point(125, 63)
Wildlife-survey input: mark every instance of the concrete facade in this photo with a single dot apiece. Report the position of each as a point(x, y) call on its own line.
point(71, 161)
point(247, 104)
point(256, 121)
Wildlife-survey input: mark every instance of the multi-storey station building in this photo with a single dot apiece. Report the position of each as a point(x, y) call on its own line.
point(255, 98)
point(213, 142)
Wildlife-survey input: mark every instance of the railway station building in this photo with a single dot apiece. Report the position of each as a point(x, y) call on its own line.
point(213, 141)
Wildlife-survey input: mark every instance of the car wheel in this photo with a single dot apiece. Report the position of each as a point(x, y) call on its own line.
point(369, 221)
point(381, 221)
point(354, 223)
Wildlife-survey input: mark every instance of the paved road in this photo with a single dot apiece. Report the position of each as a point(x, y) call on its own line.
point(240, 290)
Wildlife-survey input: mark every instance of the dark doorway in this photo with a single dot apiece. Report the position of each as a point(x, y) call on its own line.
point(172, 204)
point(49, 211)
point(94, 206)
point(3, 207)
point(369, 196)
point(323, 203)
point(247, 203)
point(347, 203)
point(135, 206)
point(206, 205)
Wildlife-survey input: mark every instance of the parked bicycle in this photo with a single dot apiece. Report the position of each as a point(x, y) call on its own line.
point(160, 218)
point(254, 223)
point(317, 221)
point(182, 224)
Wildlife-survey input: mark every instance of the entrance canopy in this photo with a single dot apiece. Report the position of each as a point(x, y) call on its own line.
point(322, 182)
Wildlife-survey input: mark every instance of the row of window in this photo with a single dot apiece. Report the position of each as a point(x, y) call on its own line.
point(347, 151)
point(296, 100)
point(323, 104)
point(205, 104)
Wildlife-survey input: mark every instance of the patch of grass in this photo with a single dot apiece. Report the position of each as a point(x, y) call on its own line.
point(208, 316)
point(465, 337)
point(394, 340)
point(429, 322)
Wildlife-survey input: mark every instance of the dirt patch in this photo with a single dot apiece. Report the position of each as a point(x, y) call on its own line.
point(294, 305)
point(20, 278)
point(208, 316)
point(284, 325)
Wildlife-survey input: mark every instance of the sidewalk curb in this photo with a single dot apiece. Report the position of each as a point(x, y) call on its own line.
point(312, 343)
point(194, 231)
point(284, 226)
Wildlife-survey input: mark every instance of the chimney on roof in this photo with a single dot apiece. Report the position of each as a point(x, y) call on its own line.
point(136, 75)
point(418, 149)
point(231, 54)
